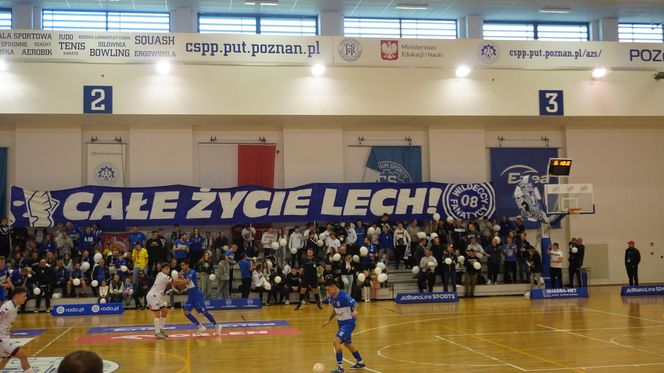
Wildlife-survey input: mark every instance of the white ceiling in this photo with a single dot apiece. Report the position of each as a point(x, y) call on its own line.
point(642, 11)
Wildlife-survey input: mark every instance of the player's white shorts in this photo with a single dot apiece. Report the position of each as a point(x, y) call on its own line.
point(155, 302)
point(7, 347)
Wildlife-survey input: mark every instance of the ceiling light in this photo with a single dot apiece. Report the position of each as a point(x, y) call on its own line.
point(599, 72)
point(318, 69)
point(462, 71)
point(555, 10)
point(261, 2)
point(163, 67)
point(413, 6)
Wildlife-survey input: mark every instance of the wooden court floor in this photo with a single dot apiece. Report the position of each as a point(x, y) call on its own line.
point(499, 334)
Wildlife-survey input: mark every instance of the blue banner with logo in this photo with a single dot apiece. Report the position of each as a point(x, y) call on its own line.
point(394, 164)
point(559, 293)
point(632, 291)
point(233, 304)
point(88, 309)
point(434, 297)
point(508, 167)
point(185, 205)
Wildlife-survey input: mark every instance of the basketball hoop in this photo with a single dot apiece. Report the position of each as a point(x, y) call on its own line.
point(573, 211)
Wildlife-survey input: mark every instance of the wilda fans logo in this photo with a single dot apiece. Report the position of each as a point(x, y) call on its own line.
point(389, 50)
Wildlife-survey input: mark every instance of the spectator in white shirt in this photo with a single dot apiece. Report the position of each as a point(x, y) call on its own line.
point(266, 241)
point(401, 241)
point(248, 236)
point(351, 235)
point(296, 241)
point(556, 268)
point(332, 241)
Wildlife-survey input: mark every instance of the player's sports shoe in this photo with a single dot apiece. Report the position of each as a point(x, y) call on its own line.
point(320, 307)
point(201, 330)
point(298, 306)
point(159, 336)
point(217, 329)
point(338, 370)
point(359, 365)
point(163, 332)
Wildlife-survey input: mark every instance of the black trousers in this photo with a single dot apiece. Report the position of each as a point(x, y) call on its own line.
point(494, 269)
point(633, 275)
point(510, 272)
point(46, 293)
point(398, 255)
point(426, 280)
point(556, 277)
point(574, 271)
point(246, 287)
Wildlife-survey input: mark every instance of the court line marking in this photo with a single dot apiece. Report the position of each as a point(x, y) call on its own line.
point(369, 369)
point(382, 354)
point(597, 367)
point(551, 331)
point(613, 341)
point(628, 316)
point(56, 338)
point(480, 353)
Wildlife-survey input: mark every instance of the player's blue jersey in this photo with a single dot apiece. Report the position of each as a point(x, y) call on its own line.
point(343, 307)
point(193, 281)
point(195, 298)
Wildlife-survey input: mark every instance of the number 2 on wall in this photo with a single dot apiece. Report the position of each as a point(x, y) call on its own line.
point(98, 96)
point(97, 99)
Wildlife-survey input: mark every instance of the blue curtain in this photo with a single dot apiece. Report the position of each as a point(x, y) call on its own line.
point(3, 181)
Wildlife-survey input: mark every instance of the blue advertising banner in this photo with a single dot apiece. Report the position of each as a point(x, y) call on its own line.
point(394, 164)
point(178, 204)
point(233, 304)
point(559, 293)
point(508, 167)
point(435, 297)
point(632, 291)
point(88, 309)
point(190, 326)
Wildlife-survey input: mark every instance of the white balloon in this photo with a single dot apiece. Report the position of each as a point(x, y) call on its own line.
point(361, 277)
point(213, 277)
point(461, 259)
point(267, 286)
point(436, 216)
point(380, 265)
point(575, 249)
point(37, 291)
point(225, 248)
point(496, 228)
point(112, 270)
point(275, 246)
point(448, 261)
point(421, 235)
point(431, 264)
point(125, 255)
point(434, 235)
point(497, 239)
point(85, 266)
point(382, 277)
point(416, 270)
point(76, 282)
point(371, 231)
point(320, 243)
point(124, 268)
point(356, 258)
point(269, 264)
point(477, 265)
point(336, 257)
point(29, 275)
point(293, 251)
point(130, 292)
point(94, 283)
point(450, 219)
point(378, 270)
point(102, 301)
point(98, 257)
point(364, 251)
point(479, 255)
point(174, 274)
point(57, 295)
point(283, 242)
point(277, 280)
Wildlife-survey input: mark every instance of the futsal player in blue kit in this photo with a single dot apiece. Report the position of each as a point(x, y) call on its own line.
point(195, 299)
point(344, 310)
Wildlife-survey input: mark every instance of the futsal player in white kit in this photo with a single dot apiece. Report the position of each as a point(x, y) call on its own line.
point(155, 302)
point(8, 313)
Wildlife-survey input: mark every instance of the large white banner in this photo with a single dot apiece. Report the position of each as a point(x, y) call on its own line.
point(106, 164)
point(106, 47)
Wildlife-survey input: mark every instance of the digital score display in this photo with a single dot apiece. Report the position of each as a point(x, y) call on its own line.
point(559, 166)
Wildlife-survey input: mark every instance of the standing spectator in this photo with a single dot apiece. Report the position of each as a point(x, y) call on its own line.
point(208, 245)
point(413, 228)
point(438, 251)
point(494, 260)
point(385, 241)
point(223, 273)
point(401, 241)
point(632, 260)
point(5, 238)
point(220, 245)
point(181, 249)
point(155, 248)
point(296, 241)
point(136, 237)
point(44, 278)
point(535, 262)
point(64, 244)
point(449, 270)
point(361, 232)
point(427, 274)
point(140, 257)
point(195, 247)
point(523, 254)
point(204, 268)
point(266, 241)
point(418, 252)
point(246, 268)
point(177, 233)
point(351, 236)
point(470, 280)
point(556, 268)
point(575, 261)
point(248, 236)
point(506, 227)
point(459, 236)
point(86, 240)
point(509, 251)
point(74, 233)
point(519, 228)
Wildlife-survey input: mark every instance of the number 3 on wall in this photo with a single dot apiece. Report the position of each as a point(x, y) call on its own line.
point(551, 102)
point(97, 99)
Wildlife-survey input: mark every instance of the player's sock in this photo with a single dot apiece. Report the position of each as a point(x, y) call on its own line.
point(210, 317)
point(162, 323)
point(157, 325)
point(192, 318)
point(301, 297)
point(357, 356)
point(317, 296)
point(340, 359)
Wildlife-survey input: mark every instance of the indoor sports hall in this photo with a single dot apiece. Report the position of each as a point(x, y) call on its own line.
point(331, 186)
